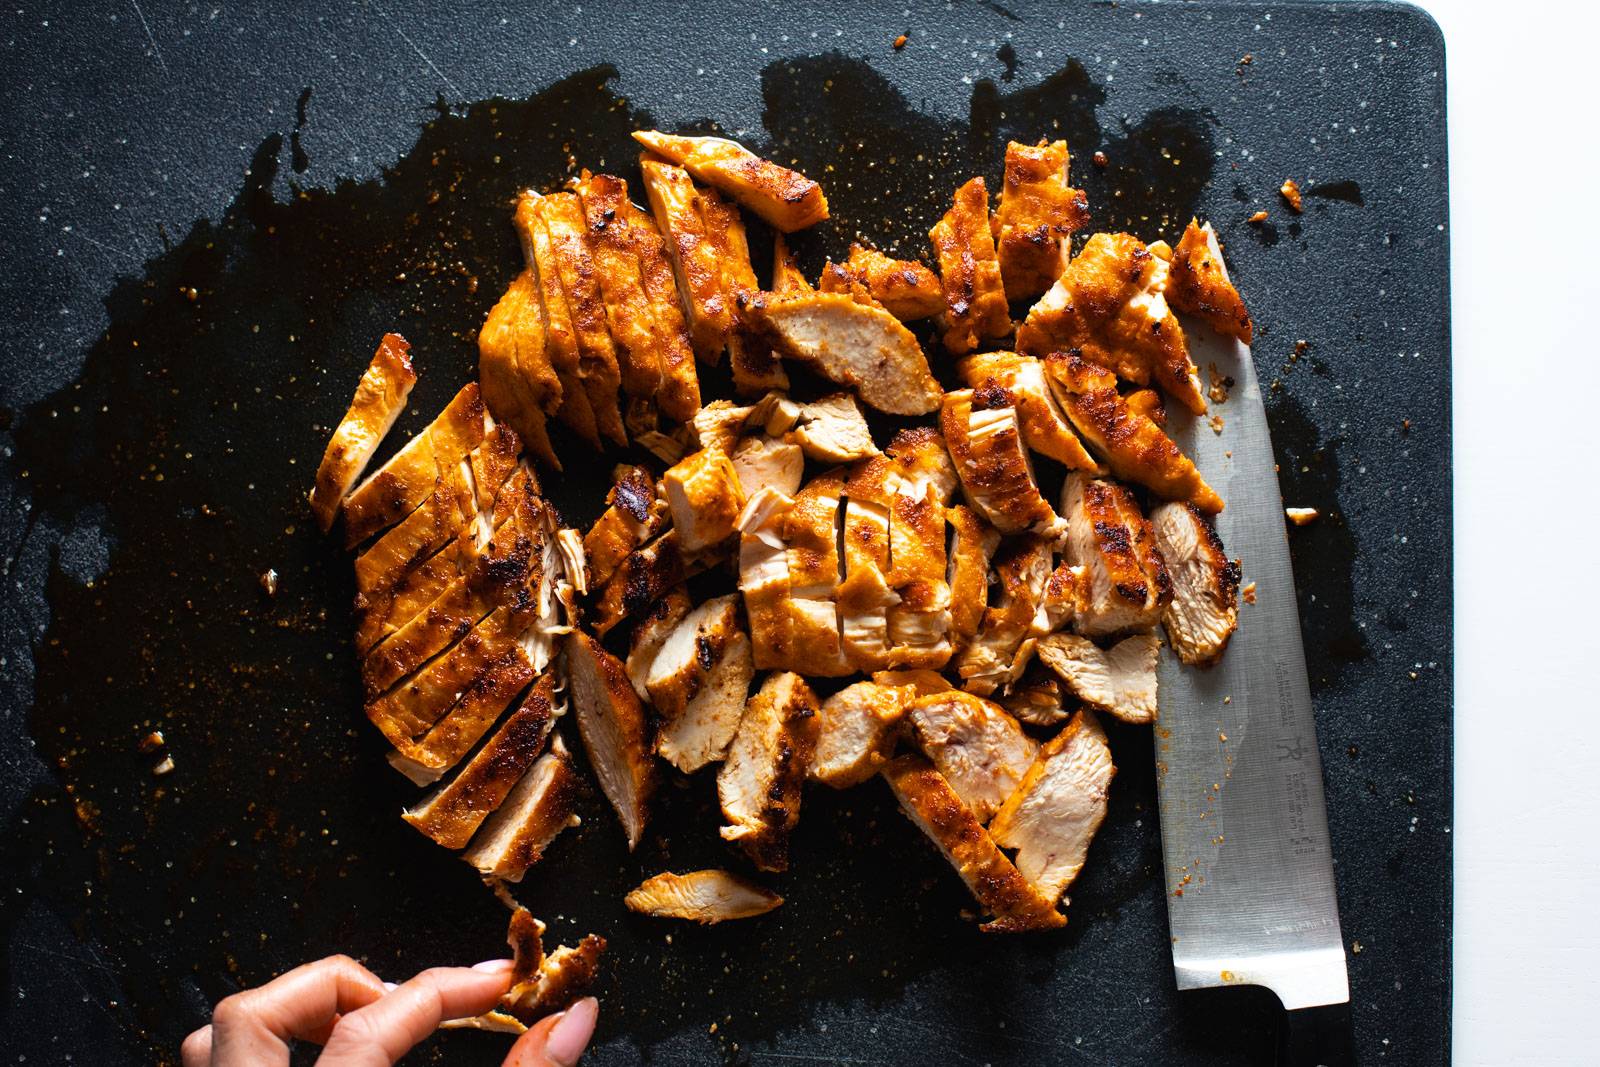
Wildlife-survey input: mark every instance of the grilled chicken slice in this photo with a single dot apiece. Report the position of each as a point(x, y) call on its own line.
point(764, 462)
point(636, 514)
point(554, 981)
point(1045, 427)
point(1126, 583)
point(520, 384)
point(1000, 651)
point(902, 287)
point(611, 722)
point(755, 367)
point(865, 596)
point(1119, 681)
point(974, 296)
point(560, 334)
point(1037, 215)
point(1134, 446)
point(852, 344)
point(705, 498)
point(978, 748)
point(380, 398)
point(651, 632)
point(760, 782)
point(920, 484)
point(787, 277)
point(972, 544)
point(395, 489)
point(985, 440)
point(683, 663)
point(562, 214)
point(1205, 584)
point(1108, 304)
point(706, 897)
point(642, 577)
point(1199, 285)
point(786, 199)
point(1055, 812)
point(856, 733)
point(693, 254)
point(679, 395)
point(539, 807)
point(833, 430)
point(811, 533)
point(764, 577)
point(918, 682)
point(1038, 700)
point(454, 811)
point(936, 809)
point(702, 732)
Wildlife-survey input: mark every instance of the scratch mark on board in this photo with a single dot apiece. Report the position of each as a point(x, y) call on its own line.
point(420, 53)
point(137, 10)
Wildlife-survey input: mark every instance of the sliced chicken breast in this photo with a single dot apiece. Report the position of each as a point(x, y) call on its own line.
point(520, 383)
point(693, 255)
point(997, 655)
point(1199, 285)
point(1124, 591)
point(857, 730)
point(974, 294)
point(785, 198)
point(598, 369)
point(1204, 610)
point(702, 732)
point(978, 748)
point(753, 364)
point(904, 288)
point(704, 897)
point(833, 430)
point(994, 881)
point(651, 632)
point(560, 334)
point(1119, 681)
point(636, 513)
point(1055, 813)
point(764, 462)
point(863, 347)
point(705, 498)
point(1045, 427)
point(764, 577)
point(985, 440)
point(643, 577)
point(760, 782)
point(1037, 215)
point(787, 277)
point(972, 543)
point(541, 805)
point(684, 661)
point(612, 723)
point(380, 398)
point(1039, 699)
point(562, 975)
point(865, 596)
point(811, 534)
point(613, 247)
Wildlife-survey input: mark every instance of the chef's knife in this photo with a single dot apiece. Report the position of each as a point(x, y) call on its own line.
point(1244, 829)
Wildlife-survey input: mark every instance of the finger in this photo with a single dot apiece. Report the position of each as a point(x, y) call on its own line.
point(197, 1048)
point(380, 1033)
point(254, 1027)
point(558, 1041)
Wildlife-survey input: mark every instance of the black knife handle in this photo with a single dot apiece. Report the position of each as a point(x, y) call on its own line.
point(1317, 1037)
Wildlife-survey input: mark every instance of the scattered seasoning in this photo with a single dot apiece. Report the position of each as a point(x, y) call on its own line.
point(1355, 948)
point(1220, 384)
point(1405, 425)
point(151, 742)
point(269, 581)
point(900, 42)
point(1249, 593)
point(1291, 193)
point(1217, 424)
point(1247, 59)
point(164, 767)
point(1301, 516)
point(1100, 159)
point(1258, 218)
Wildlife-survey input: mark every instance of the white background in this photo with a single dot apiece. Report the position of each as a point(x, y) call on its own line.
point(1523, 172)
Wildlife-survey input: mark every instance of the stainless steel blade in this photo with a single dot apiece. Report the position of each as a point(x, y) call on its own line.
point(1244, 827)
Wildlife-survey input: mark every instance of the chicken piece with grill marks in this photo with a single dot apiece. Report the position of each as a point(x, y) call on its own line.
point(705, 498)
point(852, 344)
point(833, 430)
point(704, 897)
point(904, 288)
point(1054, 814)
point(1126, 583)
point(1109, 306)
point(1198, 284)
point(682, 662)
point(982, 429)
point(635, 515)
point(1045, 426)
point(785, 198)
point(380, 398)
point(764, 578)
point(651, 632)
point(864, 596)
point(1037, 215)
point(760, 782)
point(974, 294)
point(575, 267)
point(920, 485)
point(1204, 610)
point(1000, 651)
point(1120, 680)
point(755, 367)
point(410, 476)
point(763, 462)
point(519, 381)
point(811, 534)
point(972, 545)
point(978, 748)
point(702, 732)
point(1134, 446)
point(994, 881)
point(693, 253)
point(857, 729)
point(576, 410)
point(541, 805)
point(616, 736)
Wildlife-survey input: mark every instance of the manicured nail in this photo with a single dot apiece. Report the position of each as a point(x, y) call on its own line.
point(492, 966)
point(390, 986)
point(571, 1033)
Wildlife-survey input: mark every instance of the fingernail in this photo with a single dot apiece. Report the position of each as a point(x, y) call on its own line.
point(492, 966)
point(571, 1033)
point(390, 986)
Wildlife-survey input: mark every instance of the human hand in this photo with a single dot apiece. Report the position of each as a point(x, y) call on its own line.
point(363, 1022)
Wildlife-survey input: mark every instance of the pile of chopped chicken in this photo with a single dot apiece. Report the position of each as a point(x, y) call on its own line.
point(927, 609)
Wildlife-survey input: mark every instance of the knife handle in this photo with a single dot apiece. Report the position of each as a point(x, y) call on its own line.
point(1317, 1037)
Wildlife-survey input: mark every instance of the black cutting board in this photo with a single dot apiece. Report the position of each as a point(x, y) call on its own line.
point(213, 214)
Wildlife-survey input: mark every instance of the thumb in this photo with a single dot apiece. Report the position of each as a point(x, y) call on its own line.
point(557, 1041)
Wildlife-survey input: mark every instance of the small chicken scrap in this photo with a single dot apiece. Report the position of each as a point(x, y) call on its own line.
point(705, 897)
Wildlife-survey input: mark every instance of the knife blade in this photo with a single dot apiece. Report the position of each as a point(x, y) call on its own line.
point(1244, 826)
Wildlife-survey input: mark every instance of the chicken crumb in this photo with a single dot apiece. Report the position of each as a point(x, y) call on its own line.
point(1217, 424)
point(1291, 193)
point(900, 42)
point(1258, 218)
point(1220, 384)
point(164, 767)
point(1301, 516)
point(1355, 948)
point(152, 741)
point(269, 581)
point(1249, 593)
point(1100, 159)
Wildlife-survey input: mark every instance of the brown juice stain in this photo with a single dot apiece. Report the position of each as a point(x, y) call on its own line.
point(194, 430)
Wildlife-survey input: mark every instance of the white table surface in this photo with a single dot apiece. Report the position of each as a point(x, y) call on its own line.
point(1523, 161)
